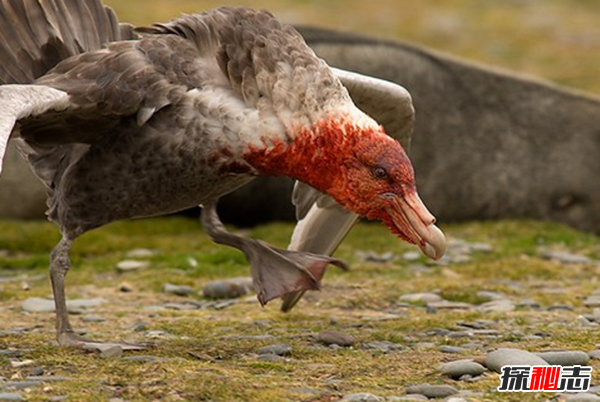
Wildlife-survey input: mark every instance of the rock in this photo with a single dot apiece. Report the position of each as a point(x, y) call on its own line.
point(227, 289)
point(432, 391)
point(369, 256)
point(112, 352)
point(11, 396)
point(179, 290)
point(499, 306)
point(529, 304)
point(565, 257)
point(565, 358)
point(92, 318)
point(18, 385)
point(592, 301)
point(421, 298)
point(507, 356)
point(407, 398)
point(270, 357)
point(383, 346)
point(278, 349)
point(361, 397)
point(452, 349)
point(458, 368)
point(38, 305)
point(594, 354)
point(449, 305)
point(487, 295)
point(336, 338)
point(131, 265)
point(141, 253)
point(582, 397)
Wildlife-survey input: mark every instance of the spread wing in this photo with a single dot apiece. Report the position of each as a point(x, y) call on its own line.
point(322, 223)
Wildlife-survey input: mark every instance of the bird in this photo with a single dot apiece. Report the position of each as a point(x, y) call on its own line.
point(123, 122)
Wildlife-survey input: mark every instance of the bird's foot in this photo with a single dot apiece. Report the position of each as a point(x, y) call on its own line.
point(277, 272)
point(72, 340)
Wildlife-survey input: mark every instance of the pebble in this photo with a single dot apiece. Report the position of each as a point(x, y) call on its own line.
point(92, 318)
point(361, 397)
point(594, 354)
point(565, 257)
point(112, 352)
point(227, 289)
point(407, 397)
point(592, 301)
point(179, 290)
point(565, 358)
point(19, 385)
point(498, 306)
point(39, 305)
point(11, 396)
point(452, 349)
point(336, 338)
point(432, 391)
point(421, 298)
point(449, 305)
point(278, 349)
point(582, 397)
point(131, 265)
point(507, 356)
point(383, 346)
point(488, 295)
point(458, 368)
point(141, 253)
point(529, 303)
point(370, 256)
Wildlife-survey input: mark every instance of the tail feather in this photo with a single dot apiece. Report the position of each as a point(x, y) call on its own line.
point(35, 35)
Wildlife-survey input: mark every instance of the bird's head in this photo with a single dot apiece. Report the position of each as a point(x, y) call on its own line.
point(376, 180)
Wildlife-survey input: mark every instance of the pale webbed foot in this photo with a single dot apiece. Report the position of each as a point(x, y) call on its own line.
point(275, 272)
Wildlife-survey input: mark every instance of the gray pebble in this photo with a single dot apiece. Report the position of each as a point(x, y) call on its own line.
point(592, 301)
point(407, 398)
point(565, 358)
point(507, 356)
point(18, 385)
point(269, 357)
point(594, 354)
point(449, 305)
point(111, 352)
point(566, 258)
point(131, 265)
point(564, 307)
point(370, 256)
point(92, 318)
point(179, 290)
point(39, 305)
point(457, 369)
point(452, 349)
point(336, 338)
point(361, 397)
point(421, 298)
point(11, 396)
point(498, 306)
point(49, 378)
point(227, 289)
point(141, 253)
point(488, 295)
point(529, 303)
point(278, 349)
point(383, 346)
point(582, 397)
point(432, 391)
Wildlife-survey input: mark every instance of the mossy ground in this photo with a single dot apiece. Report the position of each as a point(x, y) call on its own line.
point(212, 353)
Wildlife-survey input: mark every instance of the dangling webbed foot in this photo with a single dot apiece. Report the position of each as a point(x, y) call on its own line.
point(275, 272)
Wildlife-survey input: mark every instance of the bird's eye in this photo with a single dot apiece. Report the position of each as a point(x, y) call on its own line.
point(379, 172)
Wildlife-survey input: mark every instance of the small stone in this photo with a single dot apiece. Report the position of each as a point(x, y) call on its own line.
point(19, 385)
point(407, 398)
point(449, 305)
point(125, 287)
point(141, 253)
point(459, 368)
point(421, 298)
point(594, 354)
point(11, 396)
point(529, 303)
point(270, 357)
point(498, 306)
point(336, 338)
point(21, 363)
point(369, 256)
point(179, 290)
point(558, 307)
point(227, 289)
point(592, 301)
point(566, 258)
point(506, 356)
point(92, 318)
point(487, 295)
point(38, 305)
point(565, 358)
point(278, 349)
point(112, 352)
point(383, 346)
point(131, 265)
point(582, 397)
point(412, 256)
point(361, 397)
point(432, 391)
point(452, 349)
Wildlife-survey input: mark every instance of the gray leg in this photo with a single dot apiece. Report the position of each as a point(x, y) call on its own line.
point(59, 266)
point(275, 272)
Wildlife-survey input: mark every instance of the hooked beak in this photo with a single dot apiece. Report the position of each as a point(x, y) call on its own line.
point(412, 219)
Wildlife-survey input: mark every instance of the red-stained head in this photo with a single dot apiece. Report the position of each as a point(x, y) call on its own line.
point(364, 170)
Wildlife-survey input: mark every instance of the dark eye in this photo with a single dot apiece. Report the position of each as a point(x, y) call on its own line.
point(379, 172)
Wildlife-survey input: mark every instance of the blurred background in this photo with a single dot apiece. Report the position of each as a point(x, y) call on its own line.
point(554, 39)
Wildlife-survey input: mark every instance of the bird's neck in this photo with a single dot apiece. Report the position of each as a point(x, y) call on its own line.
point(316, 155)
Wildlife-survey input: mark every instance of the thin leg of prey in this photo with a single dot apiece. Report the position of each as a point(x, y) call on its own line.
point(320, 231)
point(275, 272)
